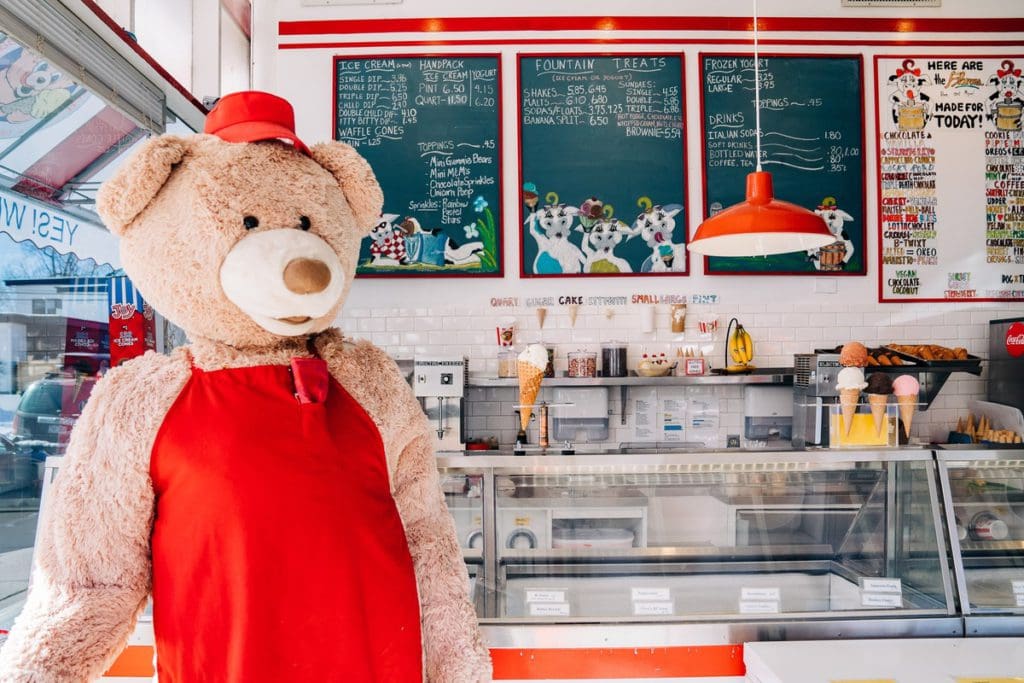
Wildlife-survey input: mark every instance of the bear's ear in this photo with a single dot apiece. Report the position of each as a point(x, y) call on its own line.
point(123, 197)
point(356, 179)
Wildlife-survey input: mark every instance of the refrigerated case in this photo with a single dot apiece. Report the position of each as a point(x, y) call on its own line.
point(728, 546)
point(985, 489)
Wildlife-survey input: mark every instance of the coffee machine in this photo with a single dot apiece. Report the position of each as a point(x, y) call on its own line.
point(814, 392)
point(439, 382)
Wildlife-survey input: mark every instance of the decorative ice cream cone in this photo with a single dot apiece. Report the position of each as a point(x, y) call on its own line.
point(878, 402)
point(908, 404)
point(848, 399)
point(574, 311)
point(530, 377)
point(531, 364)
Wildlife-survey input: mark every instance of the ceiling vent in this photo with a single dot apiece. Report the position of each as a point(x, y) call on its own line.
point(892, 3)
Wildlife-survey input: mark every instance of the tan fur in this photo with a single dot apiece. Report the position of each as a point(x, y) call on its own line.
point(356, 179)
point(179, 205)
point(196, 217)
point(92, 572)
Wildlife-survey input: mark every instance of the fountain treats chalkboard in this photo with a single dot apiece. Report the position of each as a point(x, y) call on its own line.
point(951, 178)
point(430, 128)
point(602, 165)
point(812, 133)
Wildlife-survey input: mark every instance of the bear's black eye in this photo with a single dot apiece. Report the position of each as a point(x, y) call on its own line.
point(304, 222)
point(250, 222)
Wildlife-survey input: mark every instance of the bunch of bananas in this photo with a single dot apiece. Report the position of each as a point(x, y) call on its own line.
point(741, 349)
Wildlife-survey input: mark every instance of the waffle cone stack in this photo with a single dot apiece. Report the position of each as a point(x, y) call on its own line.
point(530, 377)
point(878, 404)
point(848, 400)
point(908, 404)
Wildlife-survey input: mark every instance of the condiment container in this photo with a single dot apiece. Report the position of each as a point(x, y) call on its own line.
point(613, 359)
point(582, 364)
point(507, 363)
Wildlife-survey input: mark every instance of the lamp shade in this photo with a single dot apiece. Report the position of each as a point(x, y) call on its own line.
point(760, 226)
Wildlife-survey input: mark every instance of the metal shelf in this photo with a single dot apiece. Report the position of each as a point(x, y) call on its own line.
point(783, 376)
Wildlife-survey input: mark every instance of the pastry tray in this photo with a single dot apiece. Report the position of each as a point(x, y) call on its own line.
point(970, 364)
point(910, 363)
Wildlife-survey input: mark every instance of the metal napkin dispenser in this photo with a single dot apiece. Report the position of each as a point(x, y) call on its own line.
point(440, 384)
point(768, 413)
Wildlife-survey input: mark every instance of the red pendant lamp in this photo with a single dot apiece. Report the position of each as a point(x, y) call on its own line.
point(761, 225)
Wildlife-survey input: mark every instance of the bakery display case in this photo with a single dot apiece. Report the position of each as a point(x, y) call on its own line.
point(985, 517)
point(788, 544)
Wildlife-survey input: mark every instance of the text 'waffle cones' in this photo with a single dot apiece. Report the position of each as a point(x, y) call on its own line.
point(530, 377)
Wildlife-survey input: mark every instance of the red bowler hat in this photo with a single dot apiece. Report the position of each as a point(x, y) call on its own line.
point(250, 116)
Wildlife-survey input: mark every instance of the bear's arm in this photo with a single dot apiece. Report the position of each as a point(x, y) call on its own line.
point(454, 650)
point(92, 569)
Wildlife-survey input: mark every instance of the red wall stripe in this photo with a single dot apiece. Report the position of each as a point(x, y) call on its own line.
point(512, 42)
point(565, 663)
point(590, 663)
point(657, 24)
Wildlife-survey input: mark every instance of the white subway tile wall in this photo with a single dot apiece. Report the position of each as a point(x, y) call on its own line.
point(780, 330)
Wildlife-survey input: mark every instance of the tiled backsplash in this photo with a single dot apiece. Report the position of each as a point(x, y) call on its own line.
point(779, 330)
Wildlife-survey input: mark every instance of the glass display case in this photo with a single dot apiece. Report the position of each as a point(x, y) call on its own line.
point(769, 545)
point(985, 517)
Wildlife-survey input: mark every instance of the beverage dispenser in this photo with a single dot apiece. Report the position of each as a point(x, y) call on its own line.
point(440, 384)
point(814, 392)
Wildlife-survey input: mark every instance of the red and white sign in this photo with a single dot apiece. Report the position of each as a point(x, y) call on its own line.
point(1015, 340)
point(132, 324)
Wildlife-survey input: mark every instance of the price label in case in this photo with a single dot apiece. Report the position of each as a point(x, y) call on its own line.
point(876, 585)
point(1019, 597)
point(544, 595)
point(881, 600)
point(650, 594)
point(549, 609)
point(1018, 587)
point(759, 607)
point(752, 593)
point(653, 609)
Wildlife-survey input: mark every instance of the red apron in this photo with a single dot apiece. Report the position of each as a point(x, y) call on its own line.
point(278, 551)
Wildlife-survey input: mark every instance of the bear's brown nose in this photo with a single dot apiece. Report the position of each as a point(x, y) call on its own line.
point(306, 276)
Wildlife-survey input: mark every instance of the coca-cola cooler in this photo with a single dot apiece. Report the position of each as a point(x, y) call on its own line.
point(1006, 362)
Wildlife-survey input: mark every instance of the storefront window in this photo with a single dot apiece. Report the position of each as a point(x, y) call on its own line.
point(60, 278)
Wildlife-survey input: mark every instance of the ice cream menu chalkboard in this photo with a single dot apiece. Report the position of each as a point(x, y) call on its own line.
point(951, 178)
point(430, 128)
point(602, 165)
point(811, 142)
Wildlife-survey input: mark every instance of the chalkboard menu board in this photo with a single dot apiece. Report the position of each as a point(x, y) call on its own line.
point(951, 178)
point(430, 128)
point(812, 137)
point(602, 165)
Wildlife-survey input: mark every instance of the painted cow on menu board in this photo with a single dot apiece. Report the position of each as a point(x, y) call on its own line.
point(551, 227)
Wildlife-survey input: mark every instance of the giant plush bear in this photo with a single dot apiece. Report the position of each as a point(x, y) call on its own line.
point(271, 484)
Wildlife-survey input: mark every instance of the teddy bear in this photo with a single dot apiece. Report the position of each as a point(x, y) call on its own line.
point(271, 484)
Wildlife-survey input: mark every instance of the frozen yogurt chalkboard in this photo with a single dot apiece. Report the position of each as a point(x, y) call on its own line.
point(951, 178)
point(602, 165)
point(812, 135)
point(430, 128)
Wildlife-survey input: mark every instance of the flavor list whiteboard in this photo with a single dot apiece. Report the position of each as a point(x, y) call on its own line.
point(430, 127)
point(602, 165)
point(951, 178)
point(812, 139)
